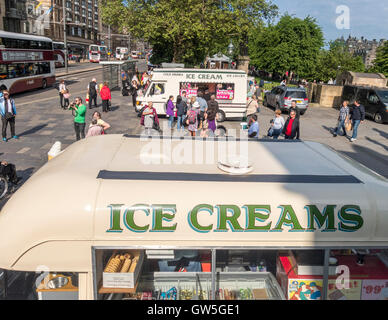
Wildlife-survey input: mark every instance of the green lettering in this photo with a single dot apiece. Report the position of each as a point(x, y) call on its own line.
point(288, 217)
point(314, 215)
point(350, 214)
point(129, 219)
point(115, 210)
point(193, 217)
point(257, 212)
point(223, 218)
point(159, 216)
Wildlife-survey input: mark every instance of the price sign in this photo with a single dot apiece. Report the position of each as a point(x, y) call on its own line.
point(374, 289)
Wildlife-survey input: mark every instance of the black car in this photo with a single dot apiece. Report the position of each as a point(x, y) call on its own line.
point(374, 99)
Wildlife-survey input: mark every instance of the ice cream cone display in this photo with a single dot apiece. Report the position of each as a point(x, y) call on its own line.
point(113, 265)
point(127, 263)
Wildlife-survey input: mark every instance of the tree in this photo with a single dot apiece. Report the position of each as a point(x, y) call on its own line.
point(292, 44)
point(380, 64)
point(334, 61)
point(187, 31)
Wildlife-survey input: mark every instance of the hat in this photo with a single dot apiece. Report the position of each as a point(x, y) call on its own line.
point(196, 105)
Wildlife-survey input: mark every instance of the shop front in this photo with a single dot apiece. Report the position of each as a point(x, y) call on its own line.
point(152, 227)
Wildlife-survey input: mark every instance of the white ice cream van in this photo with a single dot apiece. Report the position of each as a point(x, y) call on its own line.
point(165, 219)
point(229, 87)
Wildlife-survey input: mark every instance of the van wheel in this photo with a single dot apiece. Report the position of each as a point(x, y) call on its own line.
point(378, 118)
point(221, 116)
point(44, 84)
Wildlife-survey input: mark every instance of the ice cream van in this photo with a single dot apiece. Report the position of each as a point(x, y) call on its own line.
point(173, 218)
point(229, 87)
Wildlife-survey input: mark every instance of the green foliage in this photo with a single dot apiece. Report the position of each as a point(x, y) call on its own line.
point(381, 61)
point(292, 44)
point(187, 31)
point(334, 61)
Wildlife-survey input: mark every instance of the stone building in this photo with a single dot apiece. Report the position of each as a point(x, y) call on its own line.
point(361, 79)
point(363, 48)
point(13, 15)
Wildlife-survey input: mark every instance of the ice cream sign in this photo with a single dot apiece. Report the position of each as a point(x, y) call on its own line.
point(205, 218)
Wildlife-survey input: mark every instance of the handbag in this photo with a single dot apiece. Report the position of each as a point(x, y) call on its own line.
point(348, 125)
point(9, 115)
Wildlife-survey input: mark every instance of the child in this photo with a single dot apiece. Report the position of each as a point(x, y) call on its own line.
point(66, 96)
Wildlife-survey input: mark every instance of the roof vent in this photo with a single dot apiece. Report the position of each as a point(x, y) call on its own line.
point(235, 165)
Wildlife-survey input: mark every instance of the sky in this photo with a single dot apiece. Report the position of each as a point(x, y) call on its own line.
point(367, 18)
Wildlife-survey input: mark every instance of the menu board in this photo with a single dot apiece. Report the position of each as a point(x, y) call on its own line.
point(304, 289)
point(225, 94)
point(352, 293)
point(190, 92)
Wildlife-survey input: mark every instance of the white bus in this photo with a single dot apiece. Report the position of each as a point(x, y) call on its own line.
point(26, 62)
point(277, 231)
point(122, 53)
point(229, 87)
point(98, 53)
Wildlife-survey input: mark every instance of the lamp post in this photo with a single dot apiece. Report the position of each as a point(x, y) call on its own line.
point(230, 52)
point(64, 34)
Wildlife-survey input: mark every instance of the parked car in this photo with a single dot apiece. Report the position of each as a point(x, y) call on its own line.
point(281, 97)
point(374, 99)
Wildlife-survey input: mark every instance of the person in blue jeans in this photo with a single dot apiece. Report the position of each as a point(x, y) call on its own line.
point(343, 116)
point(181, 107)
point(357, 116)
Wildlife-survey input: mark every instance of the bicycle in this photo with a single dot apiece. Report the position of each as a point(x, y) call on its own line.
point(3, 186)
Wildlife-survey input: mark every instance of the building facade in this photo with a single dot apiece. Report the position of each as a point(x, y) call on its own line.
point(13, 15)
point(363, 48)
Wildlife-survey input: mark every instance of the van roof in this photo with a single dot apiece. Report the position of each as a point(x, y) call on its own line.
point(65, 207)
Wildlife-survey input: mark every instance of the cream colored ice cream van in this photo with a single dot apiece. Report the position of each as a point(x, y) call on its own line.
point(229, 87)
point(183, 219)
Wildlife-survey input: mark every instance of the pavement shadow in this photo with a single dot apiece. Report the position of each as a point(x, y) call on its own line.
point(328, 129)
point(382, 133)
point(33, 130)
point(114, 108)
point(25, 174)
point(376, 142)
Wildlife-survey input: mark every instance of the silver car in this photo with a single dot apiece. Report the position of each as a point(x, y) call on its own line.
point(282, 96)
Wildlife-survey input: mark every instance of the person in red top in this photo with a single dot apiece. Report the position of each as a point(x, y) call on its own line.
point(291, 127)
point(105, 97)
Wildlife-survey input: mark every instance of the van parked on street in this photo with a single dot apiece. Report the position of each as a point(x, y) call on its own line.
point(229, 87)
point(281, 97)
point(374, 99)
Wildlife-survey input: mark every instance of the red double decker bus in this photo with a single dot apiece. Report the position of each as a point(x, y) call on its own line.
point(26, 62)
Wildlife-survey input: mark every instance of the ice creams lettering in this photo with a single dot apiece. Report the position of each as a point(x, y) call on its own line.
point(205, 218)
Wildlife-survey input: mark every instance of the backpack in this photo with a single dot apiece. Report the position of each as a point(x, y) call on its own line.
point(92, 89)
point(192, 116)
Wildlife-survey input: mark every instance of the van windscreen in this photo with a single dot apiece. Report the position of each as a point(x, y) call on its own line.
point(383, 94)
point(296, 94)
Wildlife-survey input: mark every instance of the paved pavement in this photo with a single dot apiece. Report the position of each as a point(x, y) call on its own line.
point(41, 122)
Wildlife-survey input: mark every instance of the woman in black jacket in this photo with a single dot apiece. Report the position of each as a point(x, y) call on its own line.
point(181, 107)
point(291, 127)
point(133, 92)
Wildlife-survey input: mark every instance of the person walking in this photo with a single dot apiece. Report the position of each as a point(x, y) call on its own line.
point(105, 97)
point(92, 91)
point(104, 125)
point(61, 89)
point(133, 92)
point(149, 118)
point(170, 111)
point(252, 106)
point(291, 127)
point(192, 117)
point(295, 108)
point(181, 107)
point(79, 113)
point(357, 115)
point(277, 125)
point(342, 119)
point(8, 114)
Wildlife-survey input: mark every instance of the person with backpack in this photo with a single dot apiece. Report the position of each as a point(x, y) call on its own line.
point(181, 107)
point(192, 117)
point(92, 92)
point(170, 111)
point(105, 97)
